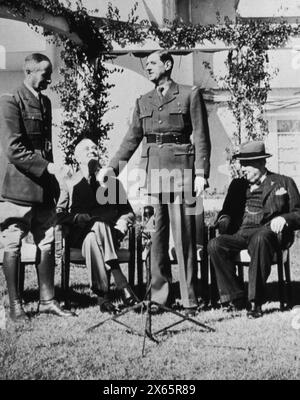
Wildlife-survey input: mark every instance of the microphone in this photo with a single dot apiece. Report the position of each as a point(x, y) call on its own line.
point(148, 212)
point(148, 219)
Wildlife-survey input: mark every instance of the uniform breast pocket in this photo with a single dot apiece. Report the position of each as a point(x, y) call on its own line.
point(178, 116)
point(33, 121)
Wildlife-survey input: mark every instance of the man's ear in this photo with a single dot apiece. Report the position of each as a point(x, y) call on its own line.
point(168, 65)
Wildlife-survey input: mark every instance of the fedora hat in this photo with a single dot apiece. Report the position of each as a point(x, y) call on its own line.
point(252, 151)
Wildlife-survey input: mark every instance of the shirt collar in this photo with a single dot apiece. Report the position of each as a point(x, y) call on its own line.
point(262, 178)
point(35, 93)
point(166, 86)
point(255, 185)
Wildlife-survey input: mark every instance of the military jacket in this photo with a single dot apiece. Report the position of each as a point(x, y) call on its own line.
point(26, 150)
point(180, 112)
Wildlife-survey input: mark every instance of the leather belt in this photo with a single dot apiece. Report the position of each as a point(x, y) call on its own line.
point(161, 138)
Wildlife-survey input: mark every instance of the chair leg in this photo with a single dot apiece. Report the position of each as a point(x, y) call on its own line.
point(21, 279)
point(214, 291)
point(240, 269)
point(131, 263)
point(139, 263)
point(65, 276)
point(289, 288)
point(280, 279)
point(204, 277)
point(204, 270)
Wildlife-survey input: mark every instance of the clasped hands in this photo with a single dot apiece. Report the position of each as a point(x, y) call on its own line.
point(83, 219)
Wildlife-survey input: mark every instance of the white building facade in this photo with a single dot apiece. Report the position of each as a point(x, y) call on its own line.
point(283, 108)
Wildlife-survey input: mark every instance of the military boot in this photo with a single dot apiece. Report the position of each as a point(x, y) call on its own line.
point(11, 269)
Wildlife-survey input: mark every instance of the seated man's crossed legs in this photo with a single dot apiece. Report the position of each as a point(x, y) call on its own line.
point(98, 249)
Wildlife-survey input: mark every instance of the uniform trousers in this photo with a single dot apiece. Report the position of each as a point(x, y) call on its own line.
point(184, 235)
point(19, 220)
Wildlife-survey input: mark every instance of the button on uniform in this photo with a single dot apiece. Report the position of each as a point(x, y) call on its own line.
point(160, 121)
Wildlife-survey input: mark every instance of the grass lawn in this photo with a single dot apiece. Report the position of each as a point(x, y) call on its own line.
point(54, 348)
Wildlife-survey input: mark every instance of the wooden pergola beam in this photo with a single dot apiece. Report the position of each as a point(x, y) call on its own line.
point(36, 17)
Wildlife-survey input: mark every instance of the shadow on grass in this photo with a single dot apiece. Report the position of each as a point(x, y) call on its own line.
point(272, 293)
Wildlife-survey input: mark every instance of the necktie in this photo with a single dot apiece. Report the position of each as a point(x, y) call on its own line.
point(160, 91)
point(93, 183)
point(42, 106)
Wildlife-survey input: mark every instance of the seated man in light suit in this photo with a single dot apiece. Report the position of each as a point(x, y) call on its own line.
point(257, 208)
point(95, 228)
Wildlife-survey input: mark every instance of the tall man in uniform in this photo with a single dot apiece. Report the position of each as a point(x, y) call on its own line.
point(29, 187)
point(171, 122)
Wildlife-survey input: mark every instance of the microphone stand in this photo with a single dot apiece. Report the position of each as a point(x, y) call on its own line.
point(145, 304)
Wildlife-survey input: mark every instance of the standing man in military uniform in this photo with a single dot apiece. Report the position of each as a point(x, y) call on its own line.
point(29, 187)
point(171, 122)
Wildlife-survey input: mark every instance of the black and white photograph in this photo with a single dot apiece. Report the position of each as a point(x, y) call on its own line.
point(149, 193)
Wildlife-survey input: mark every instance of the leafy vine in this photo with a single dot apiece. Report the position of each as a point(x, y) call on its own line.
point(83, 89)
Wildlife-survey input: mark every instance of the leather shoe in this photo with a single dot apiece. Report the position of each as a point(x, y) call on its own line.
point(53, 307)
point(128, 297)
point(255, 311)
point(203, 305)
point(190, 311)
point(109, 307)
point(155, 309)
point(235, 305)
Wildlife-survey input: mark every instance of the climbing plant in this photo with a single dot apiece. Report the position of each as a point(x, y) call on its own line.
point(83, 88)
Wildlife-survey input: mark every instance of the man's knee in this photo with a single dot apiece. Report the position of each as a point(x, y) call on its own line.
point(263, 236)
point(90, 240)
point(213, 246)
point(46, 247)
point(12, 241)
point(90, 237)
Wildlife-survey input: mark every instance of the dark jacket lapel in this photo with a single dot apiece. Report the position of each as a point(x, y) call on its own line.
point(270, 185)
point(171, 93)
point(167, 98)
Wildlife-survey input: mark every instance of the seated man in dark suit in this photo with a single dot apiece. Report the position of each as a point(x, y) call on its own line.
point(96, 228)
point(257, 208)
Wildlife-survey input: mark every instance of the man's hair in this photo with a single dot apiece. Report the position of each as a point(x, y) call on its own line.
point(164, 56)
point(33, 59)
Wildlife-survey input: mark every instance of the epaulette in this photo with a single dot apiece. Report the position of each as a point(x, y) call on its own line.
point(194, 87)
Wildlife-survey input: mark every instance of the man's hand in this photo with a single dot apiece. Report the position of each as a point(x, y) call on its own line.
point(223, 224)
point(82, 219)
point(277, 224)
point(200, 184)
point(60, 172)
point(122, 225)
point(104, 174)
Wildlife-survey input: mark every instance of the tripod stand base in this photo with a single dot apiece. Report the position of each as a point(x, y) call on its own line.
point(146, 305)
